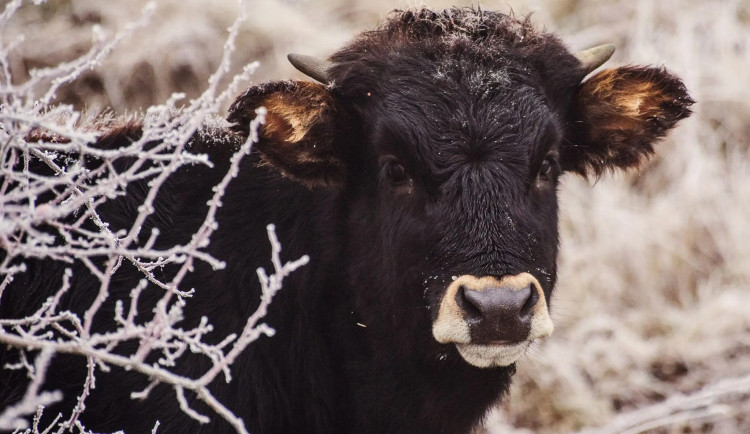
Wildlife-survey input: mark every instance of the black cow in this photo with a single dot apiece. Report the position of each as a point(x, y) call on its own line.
point(421, 179)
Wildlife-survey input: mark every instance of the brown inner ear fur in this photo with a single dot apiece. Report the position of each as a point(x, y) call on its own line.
point(621, 114)
point(290, 120)
point(300, 136)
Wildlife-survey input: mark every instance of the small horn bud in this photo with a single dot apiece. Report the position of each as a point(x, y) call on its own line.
point(311, 66)
point(595, 57)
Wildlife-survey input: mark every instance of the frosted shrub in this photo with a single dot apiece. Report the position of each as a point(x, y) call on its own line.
point(52, 216)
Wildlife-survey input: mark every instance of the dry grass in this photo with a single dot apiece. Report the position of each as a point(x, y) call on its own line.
point(654, 282)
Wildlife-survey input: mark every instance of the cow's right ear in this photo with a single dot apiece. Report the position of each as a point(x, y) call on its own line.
point(304, 132)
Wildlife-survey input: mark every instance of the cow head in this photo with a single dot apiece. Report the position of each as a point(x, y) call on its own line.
point(446, 133)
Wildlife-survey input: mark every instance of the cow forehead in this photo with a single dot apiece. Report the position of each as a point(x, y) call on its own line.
point(482, 115)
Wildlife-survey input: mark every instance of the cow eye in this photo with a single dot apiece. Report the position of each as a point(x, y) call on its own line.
point(394, 170)
point(397, 173)
point(549, 167)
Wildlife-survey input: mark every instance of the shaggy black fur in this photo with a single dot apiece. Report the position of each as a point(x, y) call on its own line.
point(435, 152)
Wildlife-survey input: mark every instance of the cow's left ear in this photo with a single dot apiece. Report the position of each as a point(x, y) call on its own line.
point(304, 134)
point(619, 115)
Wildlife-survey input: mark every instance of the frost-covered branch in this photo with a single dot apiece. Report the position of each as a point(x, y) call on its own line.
point(12, 417)
point(49, 202)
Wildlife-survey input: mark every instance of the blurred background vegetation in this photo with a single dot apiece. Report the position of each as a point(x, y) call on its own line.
point(654, 282)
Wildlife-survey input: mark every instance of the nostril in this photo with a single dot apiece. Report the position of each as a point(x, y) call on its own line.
point(528, 306)
point(468, 303)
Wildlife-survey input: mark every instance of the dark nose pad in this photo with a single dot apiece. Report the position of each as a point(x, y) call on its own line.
point(498, 314)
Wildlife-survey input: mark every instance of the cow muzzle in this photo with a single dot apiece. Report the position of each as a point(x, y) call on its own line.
point(492, 321)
